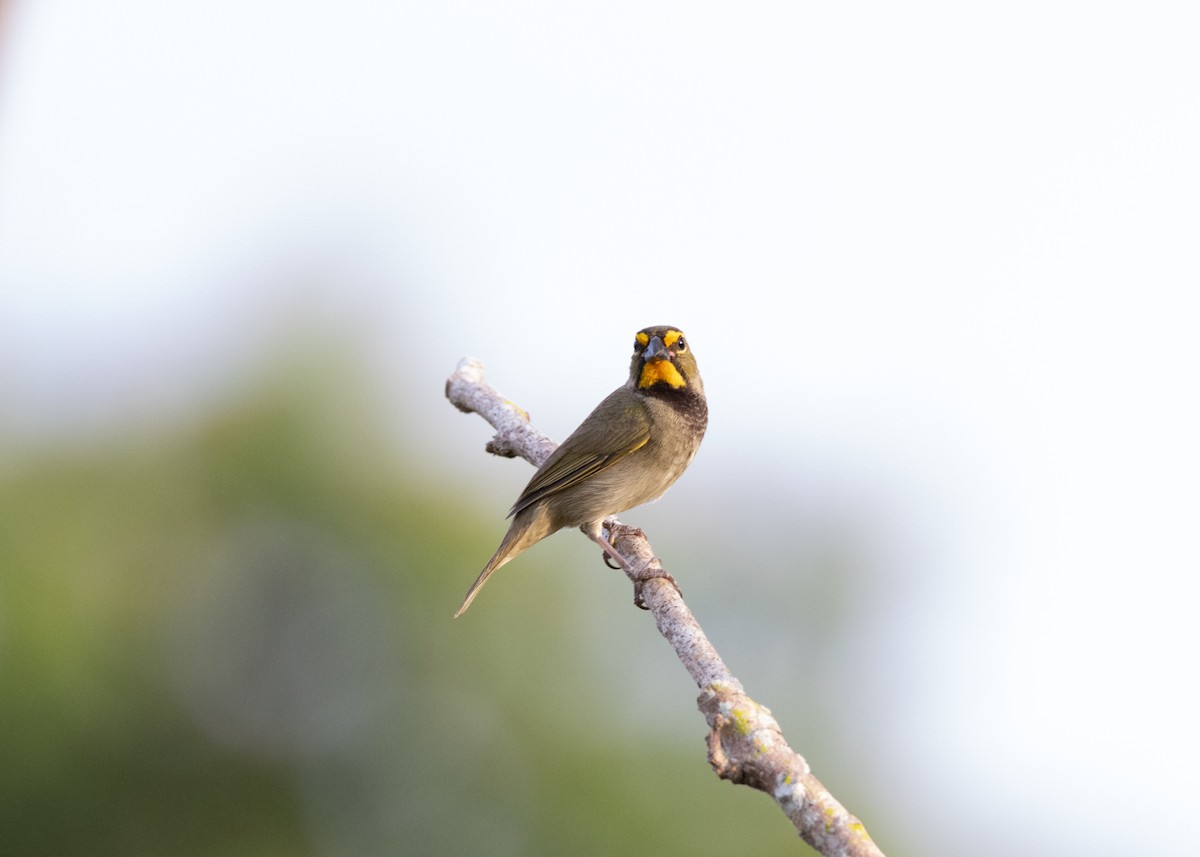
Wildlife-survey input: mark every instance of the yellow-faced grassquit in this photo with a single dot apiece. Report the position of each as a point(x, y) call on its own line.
point(628, 451)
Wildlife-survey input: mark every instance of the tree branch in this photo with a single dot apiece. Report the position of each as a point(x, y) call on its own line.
point(745, 744)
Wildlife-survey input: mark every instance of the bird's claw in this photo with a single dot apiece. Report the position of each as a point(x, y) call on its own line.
point(653, 570)
point(607, 539)
point(616, 531)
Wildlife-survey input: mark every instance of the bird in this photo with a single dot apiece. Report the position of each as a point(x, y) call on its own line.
point(628, 451)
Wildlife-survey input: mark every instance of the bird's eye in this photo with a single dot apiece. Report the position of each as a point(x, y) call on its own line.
point(681, 344)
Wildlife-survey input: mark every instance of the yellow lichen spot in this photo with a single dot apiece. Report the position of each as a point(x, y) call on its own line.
point(521, 411)
point(643, 338)
point(741, 720)
point(655, 371)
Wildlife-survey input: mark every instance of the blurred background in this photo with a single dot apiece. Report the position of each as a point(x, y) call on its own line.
point(938, 265)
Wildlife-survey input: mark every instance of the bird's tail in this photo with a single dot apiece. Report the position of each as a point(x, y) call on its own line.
point(497, 560)
point(528, 527)
point(520, 536)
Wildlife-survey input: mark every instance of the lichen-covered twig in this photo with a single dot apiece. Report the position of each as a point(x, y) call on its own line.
point(745, 744)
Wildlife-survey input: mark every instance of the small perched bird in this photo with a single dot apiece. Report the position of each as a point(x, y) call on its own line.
point(628, 451)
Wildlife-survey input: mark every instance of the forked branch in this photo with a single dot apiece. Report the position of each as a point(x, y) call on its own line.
point(745, 744)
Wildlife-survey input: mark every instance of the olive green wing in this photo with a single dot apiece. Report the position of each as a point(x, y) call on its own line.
point(618, 426)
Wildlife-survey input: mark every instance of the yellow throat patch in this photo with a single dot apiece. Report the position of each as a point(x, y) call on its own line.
point(654, 371)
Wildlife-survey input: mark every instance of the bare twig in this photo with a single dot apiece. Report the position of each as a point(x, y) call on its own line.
point(745, 744)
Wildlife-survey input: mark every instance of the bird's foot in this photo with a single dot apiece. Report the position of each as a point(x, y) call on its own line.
point(652, 570)
point(616, 531)
point(607, 539)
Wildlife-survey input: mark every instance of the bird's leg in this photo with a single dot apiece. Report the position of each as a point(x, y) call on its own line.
point(607, 545)
point(651, 570)
point(606, 535)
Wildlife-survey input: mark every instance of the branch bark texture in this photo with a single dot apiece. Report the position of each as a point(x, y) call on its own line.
point(745, 743)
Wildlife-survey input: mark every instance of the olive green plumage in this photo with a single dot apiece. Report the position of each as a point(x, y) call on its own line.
point(628, 451)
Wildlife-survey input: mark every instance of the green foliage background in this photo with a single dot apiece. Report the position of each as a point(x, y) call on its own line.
point(231, 635)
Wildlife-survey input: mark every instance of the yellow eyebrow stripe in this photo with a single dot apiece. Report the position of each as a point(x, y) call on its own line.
point(671, 338)
point(643, 338)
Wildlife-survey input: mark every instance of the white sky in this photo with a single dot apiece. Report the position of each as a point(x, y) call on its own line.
point(936, 256)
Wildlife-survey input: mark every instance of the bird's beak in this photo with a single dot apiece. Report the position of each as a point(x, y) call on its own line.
point(655, 350)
